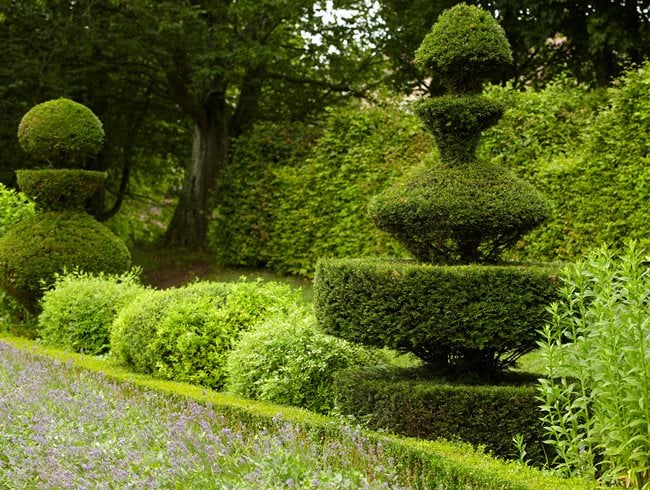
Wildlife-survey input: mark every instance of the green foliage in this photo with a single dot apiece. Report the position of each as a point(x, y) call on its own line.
point(309, 199)
point(480, 318)
point(61, 132)
point(465, 47)
point(77, 312)
point(37, 248)
point(287, 360)
point(60, 189)
point(14, 207)
point(459, 214)
point(488, 416)
point(456, 123)
point(596, 393)
point(587, 151)
point(185, 333)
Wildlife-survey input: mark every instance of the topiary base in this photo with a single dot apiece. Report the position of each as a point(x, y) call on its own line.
point(40, 246)
point(473, 317)
point(489, 416)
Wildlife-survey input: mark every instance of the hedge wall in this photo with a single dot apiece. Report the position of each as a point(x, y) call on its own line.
point(294, 194)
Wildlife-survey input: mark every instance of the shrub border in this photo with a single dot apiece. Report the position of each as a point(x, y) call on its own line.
point(442, 464)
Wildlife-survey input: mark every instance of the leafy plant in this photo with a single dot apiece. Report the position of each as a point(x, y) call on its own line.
point(79, 309)
point(596, 393)
point(185, 333)
point(287, 360)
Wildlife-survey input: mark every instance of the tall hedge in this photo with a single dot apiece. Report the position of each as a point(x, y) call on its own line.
point(294, 194)
point(588, 152)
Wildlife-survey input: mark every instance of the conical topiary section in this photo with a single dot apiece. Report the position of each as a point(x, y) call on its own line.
point(462, 210)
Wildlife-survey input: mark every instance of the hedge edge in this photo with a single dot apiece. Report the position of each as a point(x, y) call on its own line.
point(443, 464)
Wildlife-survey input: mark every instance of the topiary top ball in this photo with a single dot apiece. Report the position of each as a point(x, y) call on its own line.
point(466, 47)
point(61, 132)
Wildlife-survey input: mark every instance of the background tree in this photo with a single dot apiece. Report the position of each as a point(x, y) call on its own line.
point(220, 65)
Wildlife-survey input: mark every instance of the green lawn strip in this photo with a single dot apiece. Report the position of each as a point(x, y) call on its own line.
point(441, 464)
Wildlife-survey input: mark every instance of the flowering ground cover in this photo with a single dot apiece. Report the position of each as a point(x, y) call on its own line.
point(65, 427)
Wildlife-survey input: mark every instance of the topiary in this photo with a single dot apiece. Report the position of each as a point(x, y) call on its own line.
point(287, 360)
point(185, 333)
point(79, 309)
point(60, 132)
point(460, 211)
point(63, 236)
point(38, 248)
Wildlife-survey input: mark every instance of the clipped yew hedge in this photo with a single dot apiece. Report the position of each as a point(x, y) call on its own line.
point(489, 416)
point(436, 312)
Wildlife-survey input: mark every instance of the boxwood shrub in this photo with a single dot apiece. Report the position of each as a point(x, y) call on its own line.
point(77, 312)
point(489, 416)
point(489, 315)
point(185, 333)
point(287, 360)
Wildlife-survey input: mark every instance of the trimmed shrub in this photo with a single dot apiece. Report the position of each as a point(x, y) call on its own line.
point(185, 333)
point(459, 214)
point(37, 248)
point(285, 206)
point(489, 416)
point(77, 313)
point(60, 189)
point(463, 316)
point(287, 360)
point(466, 47)
point(60, 132)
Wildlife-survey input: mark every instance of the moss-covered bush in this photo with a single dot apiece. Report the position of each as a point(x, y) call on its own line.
point(287, 360)
point(489, 416)
point(60, 132)
point(77, 312)
point(474, 317)
point(39, 247)
point(185, 333)
point(293, 194)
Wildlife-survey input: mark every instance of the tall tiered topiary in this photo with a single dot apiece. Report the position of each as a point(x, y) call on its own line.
point(59, 133)
point(459, 306)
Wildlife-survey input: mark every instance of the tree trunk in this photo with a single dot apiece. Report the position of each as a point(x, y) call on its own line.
point(188, 226)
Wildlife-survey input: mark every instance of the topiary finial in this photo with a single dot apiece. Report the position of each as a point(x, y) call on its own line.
point(466, 48)
point(61, 132)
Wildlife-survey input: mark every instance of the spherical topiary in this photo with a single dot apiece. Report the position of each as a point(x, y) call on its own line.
point(466, 47)
point(60, 132)
point(37, 248)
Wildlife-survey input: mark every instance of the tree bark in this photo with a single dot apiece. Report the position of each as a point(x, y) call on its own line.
point(189, 224)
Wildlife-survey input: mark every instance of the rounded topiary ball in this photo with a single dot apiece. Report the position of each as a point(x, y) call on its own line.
point(61, 132)
point(466, 47)
point(32, 252)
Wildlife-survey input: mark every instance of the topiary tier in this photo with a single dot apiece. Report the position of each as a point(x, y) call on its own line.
point(458, 306)
point(60, 133)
